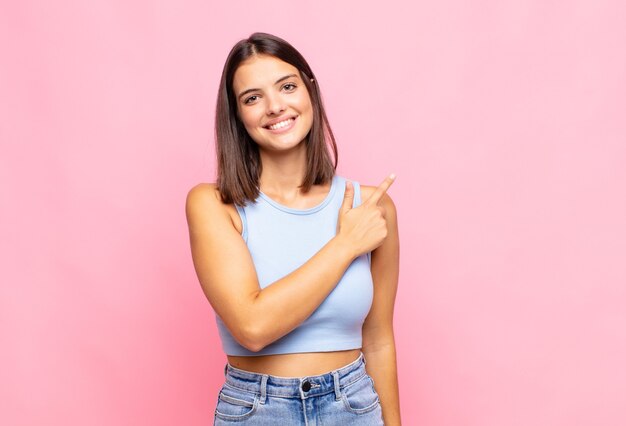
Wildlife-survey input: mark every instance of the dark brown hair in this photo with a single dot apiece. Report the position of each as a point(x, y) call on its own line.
point(238, 160)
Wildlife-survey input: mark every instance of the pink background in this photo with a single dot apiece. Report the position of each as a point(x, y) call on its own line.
point(503, 120)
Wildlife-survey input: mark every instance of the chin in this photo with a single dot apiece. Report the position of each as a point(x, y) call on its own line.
point(281, 145)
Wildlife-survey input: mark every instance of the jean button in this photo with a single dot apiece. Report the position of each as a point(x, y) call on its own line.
point(306, 386)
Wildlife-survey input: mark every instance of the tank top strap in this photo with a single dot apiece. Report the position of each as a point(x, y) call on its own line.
point(357, 194)
point(357, 202)
point(244, 222)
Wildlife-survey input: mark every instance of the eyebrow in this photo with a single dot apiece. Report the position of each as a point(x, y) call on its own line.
point(254, 90)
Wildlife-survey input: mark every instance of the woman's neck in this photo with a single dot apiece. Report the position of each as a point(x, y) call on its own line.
point(283, 172)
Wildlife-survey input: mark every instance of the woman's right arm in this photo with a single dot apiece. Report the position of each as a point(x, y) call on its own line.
point(257, 317)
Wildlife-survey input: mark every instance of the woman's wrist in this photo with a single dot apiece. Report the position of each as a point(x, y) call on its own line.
point(344, 248)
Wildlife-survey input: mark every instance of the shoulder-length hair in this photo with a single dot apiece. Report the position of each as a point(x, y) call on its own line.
point(238, 161)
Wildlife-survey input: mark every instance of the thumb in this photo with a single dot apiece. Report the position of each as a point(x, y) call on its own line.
point(348, 197)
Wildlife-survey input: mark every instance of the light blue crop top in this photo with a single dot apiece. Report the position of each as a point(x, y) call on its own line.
point(280, 240)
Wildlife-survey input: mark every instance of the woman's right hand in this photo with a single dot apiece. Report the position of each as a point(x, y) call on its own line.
point(363, 228)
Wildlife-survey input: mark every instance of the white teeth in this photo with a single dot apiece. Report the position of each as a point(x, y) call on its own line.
point(281, 124)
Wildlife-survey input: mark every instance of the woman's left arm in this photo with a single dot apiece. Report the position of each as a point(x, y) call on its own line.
point(379, 346)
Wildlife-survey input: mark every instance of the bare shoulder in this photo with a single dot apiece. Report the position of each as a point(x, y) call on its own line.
point(203, 196)
point(386, 201)
point(204, 203)
point(203, 190)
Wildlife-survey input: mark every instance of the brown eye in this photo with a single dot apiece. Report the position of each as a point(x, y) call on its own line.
point(290, 87)
point(250, 99)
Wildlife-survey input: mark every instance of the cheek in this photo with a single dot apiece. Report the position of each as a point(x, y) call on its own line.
point(248, 117)
point(307, 107)
point(305, 100)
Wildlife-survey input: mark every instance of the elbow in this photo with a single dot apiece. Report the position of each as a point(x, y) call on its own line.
point(249, 330)
point(254, 347)
point(251, 338)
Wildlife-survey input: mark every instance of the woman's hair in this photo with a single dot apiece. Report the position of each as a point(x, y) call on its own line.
point(238, 160)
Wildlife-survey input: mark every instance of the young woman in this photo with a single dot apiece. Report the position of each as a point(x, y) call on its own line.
point(299, 264)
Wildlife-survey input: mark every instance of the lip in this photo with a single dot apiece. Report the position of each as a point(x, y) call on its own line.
point(278, 120)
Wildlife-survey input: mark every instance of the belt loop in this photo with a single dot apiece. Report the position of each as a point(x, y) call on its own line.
point(263, 388)
point(337, 389)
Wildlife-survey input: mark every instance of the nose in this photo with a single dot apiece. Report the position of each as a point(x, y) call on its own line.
point(275, 104)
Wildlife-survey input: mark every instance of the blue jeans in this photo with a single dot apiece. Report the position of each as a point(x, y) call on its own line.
point(345, 396)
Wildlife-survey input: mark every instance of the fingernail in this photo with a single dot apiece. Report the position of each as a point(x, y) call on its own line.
point(392, 176)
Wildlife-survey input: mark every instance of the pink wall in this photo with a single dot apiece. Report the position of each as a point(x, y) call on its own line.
point(503, 120)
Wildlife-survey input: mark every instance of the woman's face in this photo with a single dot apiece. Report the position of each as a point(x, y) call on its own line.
point(272, 102)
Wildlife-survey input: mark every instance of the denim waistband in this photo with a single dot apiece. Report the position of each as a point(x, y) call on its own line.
point(295, 387)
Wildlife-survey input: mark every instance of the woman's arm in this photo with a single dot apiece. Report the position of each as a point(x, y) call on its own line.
point(378, 337)
point(257, 317)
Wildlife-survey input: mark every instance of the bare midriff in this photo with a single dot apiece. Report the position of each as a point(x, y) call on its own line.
point(296, 364)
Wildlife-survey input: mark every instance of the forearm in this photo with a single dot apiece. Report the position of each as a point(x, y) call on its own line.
point(381, 365)
point(285, 304)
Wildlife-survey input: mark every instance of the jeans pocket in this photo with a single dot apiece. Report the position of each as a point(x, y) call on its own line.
point(374, 388)
point(234, 404)
point(360, 397)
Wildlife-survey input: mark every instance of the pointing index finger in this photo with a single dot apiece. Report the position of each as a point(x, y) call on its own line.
point(382, 188)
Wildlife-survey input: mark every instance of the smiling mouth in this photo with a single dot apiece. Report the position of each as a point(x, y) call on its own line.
point(281, 124)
